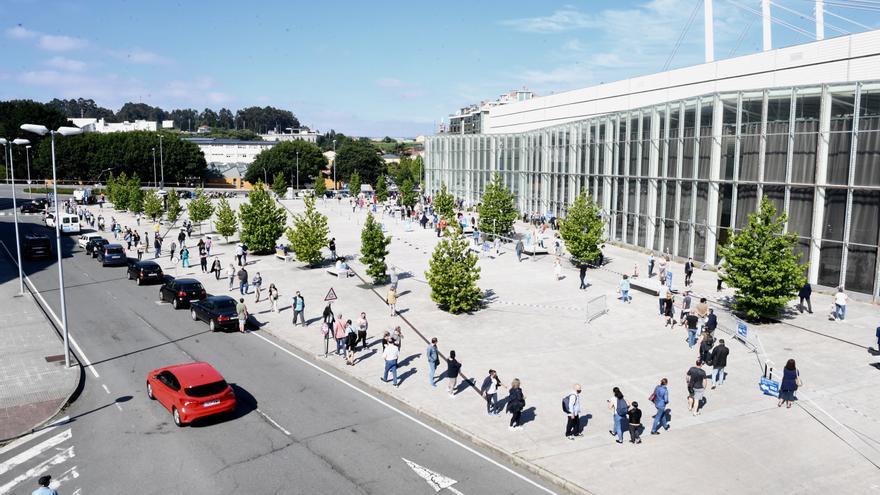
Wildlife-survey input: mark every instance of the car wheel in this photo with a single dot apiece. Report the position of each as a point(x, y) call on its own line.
point(176, 416)
point(212, 326)
point(192, 314)
point(150, 391)
point(129, 276)
point(174, 303)
point(161, 296)
point(139, 281)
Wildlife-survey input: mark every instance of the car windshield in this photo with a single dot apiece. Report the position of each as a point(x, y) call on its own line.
point(206, 389)
point(191, 287)
point(118, 250)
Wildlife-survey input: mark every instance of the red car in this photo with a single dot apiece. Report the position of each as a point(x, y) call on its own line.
point(190, 391)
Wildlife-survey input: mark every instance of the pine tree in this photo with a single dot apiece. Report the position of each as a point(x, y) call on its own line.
point(262, 221)
point(279, 185)
point(120, 192)
point(152, 204)
point(226, 223)
point(582, 229)
point(309, 234)
point(320, 186)
point(761, 264)
point(354, 183)
point(407, 196)
point(374, 246)
point(135, 203)
point(200, 208)
point(444, 204)
point(498, 208)
point(453, 275)
point(172, 213)
point(381, 189)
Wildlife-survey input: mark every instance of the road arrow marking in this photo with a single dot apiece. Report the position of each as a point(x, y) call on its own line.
point(435, 480)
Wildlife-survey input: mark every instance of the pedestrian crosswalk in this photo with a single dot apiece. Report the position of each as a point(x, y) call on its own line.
point(9, 214)
point(48, 451)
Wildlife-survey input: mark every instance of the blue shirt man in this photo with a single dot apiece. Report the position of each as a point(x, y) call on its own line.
point(44, 487)
point(661, 398)
point(433, 357)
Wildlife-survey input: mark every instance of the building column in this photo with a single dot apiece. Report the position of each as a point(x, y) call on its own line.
point(608, 168)
point(821, 176)
point(653, 174)
point(574, 154)
point(714, 177)
point(853, 155)
point(679, 144)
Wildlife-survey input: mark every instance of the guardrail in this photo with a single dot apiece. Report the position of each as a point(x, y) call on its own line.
point(596, 307)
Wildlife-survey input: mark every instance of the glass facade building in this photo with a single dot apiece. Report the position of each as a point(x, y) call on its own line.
point(681, 176)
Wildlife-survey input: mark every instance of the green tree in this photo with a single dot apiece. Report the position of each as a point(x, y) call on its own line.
point(407, 168)
point(283, 158)
point(173, 208)
point(135, 201)
point(226, 223)
point(374, 249)
point(453, 275)
point(262, 220)
point(120, 192)
point(381, 188)
point(354, 183)
point(152, 204)
point(497, 209)
point(582, 229)
point(309, 234)
point(444, 203)
point(761, 264)
point(320, 186)
point(200, 208)
point(279, 185)
point(359, 156)
point(407, 196)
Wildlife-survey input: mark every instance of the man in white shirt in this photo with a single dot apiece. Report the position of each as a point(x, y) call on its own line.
point(573, 409)
point(390, 354)
point(840, 304)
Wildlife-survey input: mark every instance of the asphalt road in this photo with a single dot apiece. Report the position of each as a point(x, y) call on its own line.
point(297, 428)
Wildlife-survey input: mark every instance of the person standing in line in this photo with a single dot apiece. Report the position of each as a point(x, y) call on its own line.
point(243, 280)
point(519, 250)
point(298, 305)
point(688, 272)
point(711, 321)
point(704, 345)
point(651, 265)
point(702, 311)
point(619, 408)
point(157, 247)
point(516, 402)
point(332, 246)
point(691, 320)
point(203, 259)
point(390, 354)
point(327, 327)
point(718, 358)
point(273, 297)
point(635, 423)
point(662, 271)
point(172, 251)
point(804, 295)
point(362, 326)
point(840, 299)
point(572, 408)
point(453, 368)
point(141, 249)
point(669, 279)
point(669, 309)
point(184, 257)
point(44, 489)
point(660, 398)
point(623, 287)
point(489, 389)
point(242, 313)
point(661, 298)
point(230, 272)
point(392, 300)
point(258, 284)
point(216, 268)
point(394, 277)
point(791, 380)
point(685, 304)
point(583, 275)
point(433, 358)
point(339, 334)
point(238, 253)
point(696, 381)
point(557, 269)
point(350, 341)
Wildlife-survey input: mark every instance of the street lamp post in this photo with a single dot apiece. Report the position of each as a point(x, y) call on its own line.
point(161, 163)
point(64, 131)
point(297, 170)
point(154, 167)
point(7, 148)
point(334, 166)
point(27, 156)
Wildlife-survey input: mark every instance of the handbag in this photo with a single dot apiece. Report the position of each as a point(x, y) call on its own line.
point(652, 397)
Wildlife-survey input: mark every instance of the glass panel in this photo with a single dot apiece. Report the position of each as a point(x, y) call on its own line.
point(670, 200)
point(684, 211)
point(643, 198)
point(803, 165)
point(829, 263)
point(867, 166)
point(728, 144)
point(643, 223)
point(800, 211)
point(751, 116)
point(631, 196)
point(776, 195)
point(835, 211)
point(684, 237)
point(861, 265)
point(702, 203)
point(672, 163)
point(869, 103)
point(700, 243)
point(839, 143)
point(725, 192)
point(687, 166)
point(630, 228)
point(803, 249)
point(705, 152)
point(750, 147)
point(775, 155)
point(746, 203)
point(668, 235)
point(807, 108)
point(865, 218)
point(778, 110)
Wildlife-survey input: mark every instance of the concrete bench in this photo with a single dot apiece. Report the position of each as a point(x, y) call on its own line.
point(337, 273)
point(533, 250)
point(283, 256)
point(651, 287)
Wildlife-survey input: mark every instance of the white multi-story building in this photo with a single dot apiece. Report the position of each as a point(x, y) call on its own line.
point(302, 134)
point(472, 118)
point(220, 151)
point(100, 125)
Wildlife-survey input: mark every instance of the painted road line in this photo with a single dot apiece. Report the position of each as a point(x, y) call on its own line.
point(33, 436)
point(105, 388)
point(40, 469)
point(273, 422)
point(408, 416)
point(34, 451)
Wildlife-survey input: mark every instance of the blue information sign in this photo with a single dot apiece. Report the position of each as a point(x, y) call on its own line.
point(769, 387)
point(742, 330)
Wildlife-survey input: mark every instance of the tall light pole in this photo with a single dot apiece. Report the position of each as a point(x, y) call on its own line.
point(154, 167)
point(64, 131)
point(7, 148)
point(297, 170)
point(27, 156)
point(334, 167)
point(161, 163)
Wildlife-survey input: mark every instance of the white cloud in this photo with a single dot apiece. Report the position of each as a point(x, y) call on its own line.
point(219, 97)
point(61, 43)
point(389, 82)
point(565, 19)
point(67, 64)
point(140, 56)
point(20, 33)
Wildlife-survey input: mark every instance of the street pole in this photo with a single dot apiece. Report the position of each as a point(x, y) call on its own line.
point(27, 156)
point(58, 250)
point(334, 167)
point(154, 167)
point(161, 163)
point(297, 170)
point(7, 153)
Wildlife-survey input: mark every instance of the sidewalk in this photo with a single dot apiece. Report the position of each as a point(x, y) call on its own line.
point(533, 328)
point(32, 389)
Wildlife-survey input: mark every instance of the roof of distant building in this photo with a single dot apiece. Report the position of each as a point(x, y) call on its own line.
point(219, 141)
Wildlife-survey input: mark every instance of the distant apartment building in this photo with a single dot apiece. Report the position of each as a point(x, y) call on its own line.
point(471, 119)
point(102, 126)
point(301, 134)
point(219, 151)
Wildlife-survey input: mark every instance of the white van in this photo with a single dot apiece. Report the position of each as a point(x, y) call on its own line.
point(69, 223)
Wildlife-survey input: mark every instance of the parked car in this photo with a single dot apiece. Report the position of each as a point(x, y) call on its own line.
point(49, 219)
point(182, 291)
point(190, 391)
point(144, 271)
point(95, 245)
point(112, 255)
point(217, 311)
point(84, 239)
point(36, 246)
point(30, 207)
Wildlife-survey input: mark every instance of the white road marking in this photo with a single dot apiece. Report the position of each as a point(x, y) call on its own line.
point(82, 355)
point(34, 451)
point(435, 480)
point(70, 474)
point(105, 388)
point(407, 416)
point(118, 406)
point(273, 422)
point(39, 469)
point(33, 436)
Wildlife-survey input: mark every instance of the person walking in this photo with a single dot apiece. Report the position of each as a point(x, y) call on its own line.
point(171, 251)
point(230, 272)
point(181, 237)
point(397, 337)
point(691, 320)
point(685, 304)
point(208, 244)
point(489, 390)
point(718, 358)
point(238, 253)
point(660, 398)
point(141, 249)
point(157, 247)
point(332, 246)
point(840, 299)
point(243, 280)
point(184, 257)
point(804, 295)
point(362, 325)
point(635, 423)
point(298, 304)
point(557, 269)
point(516, 402)
point(433, 357)
point(394, 277)
point(339, 334)
point(702, 311)
point(618, 407)
point(623, 288)
point(651, 265)
point(273, 297)
point(661, 298)
point(350, 341)
point(242, 313)
point(453, 368)
point(711, 321)
point(696, 382)
point(688, 272)
point(216, 268)
point(44, 489)
point(203, 259)
point(257, 282)
point(571, 406)
point(519, 250)
point(390, 354)
point(392, 300)
point(704, 345)
point(791, 380)
point(583, 275)
point(669, 309)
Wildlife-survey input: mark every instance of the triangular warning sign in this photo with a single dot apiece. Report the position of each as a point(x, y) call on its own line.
point(331, 295)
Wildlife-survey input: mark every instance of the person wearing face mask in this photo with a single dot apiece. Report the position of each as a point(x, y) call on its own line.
point(571, 405)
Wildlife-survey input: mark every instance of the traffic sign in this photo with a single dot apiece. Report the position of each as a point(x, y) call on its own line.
point(742, 330)
point(331, 295)
point(769, 387)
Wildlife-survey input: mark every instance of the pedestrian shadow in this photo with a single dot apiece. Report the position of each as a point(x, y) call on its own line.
point(584, 421)
point(875, 365)
point(873, 352)
point(402, 311)
point(245, 403)
point(464, 385)
point(313, 320)
point(404, 293)
point(409, 359)
point(410, 372)
point(489, 296)
point(363, 357)
point(528, 415)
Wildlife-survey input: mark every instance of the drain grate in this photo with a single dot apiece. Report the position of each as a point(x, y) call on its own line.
point(55, 358)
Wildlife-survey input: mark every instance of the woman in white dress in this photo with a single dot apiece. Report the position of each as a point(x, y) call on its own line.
point(557, 269)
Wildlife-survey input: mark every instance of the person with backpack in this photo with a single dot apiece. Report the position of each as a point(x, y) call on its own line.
point(571, 406)
point(516, 402)
point(489, 390)
point(453, 368)
point(350, 342)
point(433, 358)
point(635, 423)
point(705, 345)
point(718, 358)
point(660, 398)
point(618, 407)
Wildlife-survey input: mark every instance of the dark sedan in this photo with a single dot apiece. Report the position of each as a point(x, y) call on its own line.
point(31, 207)
point(218, 311)
point(36, 246)
point(112, 255)
point(96, 245)
point(144, 271)
point(182, 291)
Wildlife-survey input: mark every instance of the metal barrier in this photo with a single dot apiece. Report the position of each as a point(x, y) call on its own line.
point(596, 307)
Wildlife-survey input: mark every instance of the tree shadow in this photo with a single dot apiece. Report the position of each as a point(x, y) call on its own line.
point(245, 403)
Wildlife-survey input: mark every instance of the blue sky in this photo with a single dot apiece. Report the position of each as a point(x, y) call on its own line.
point(364, 68)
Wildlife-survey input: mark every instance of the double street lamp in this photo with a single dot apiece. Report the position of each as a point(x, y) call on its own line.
point(27, 157)
point(41, 130)
point(7, 151)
